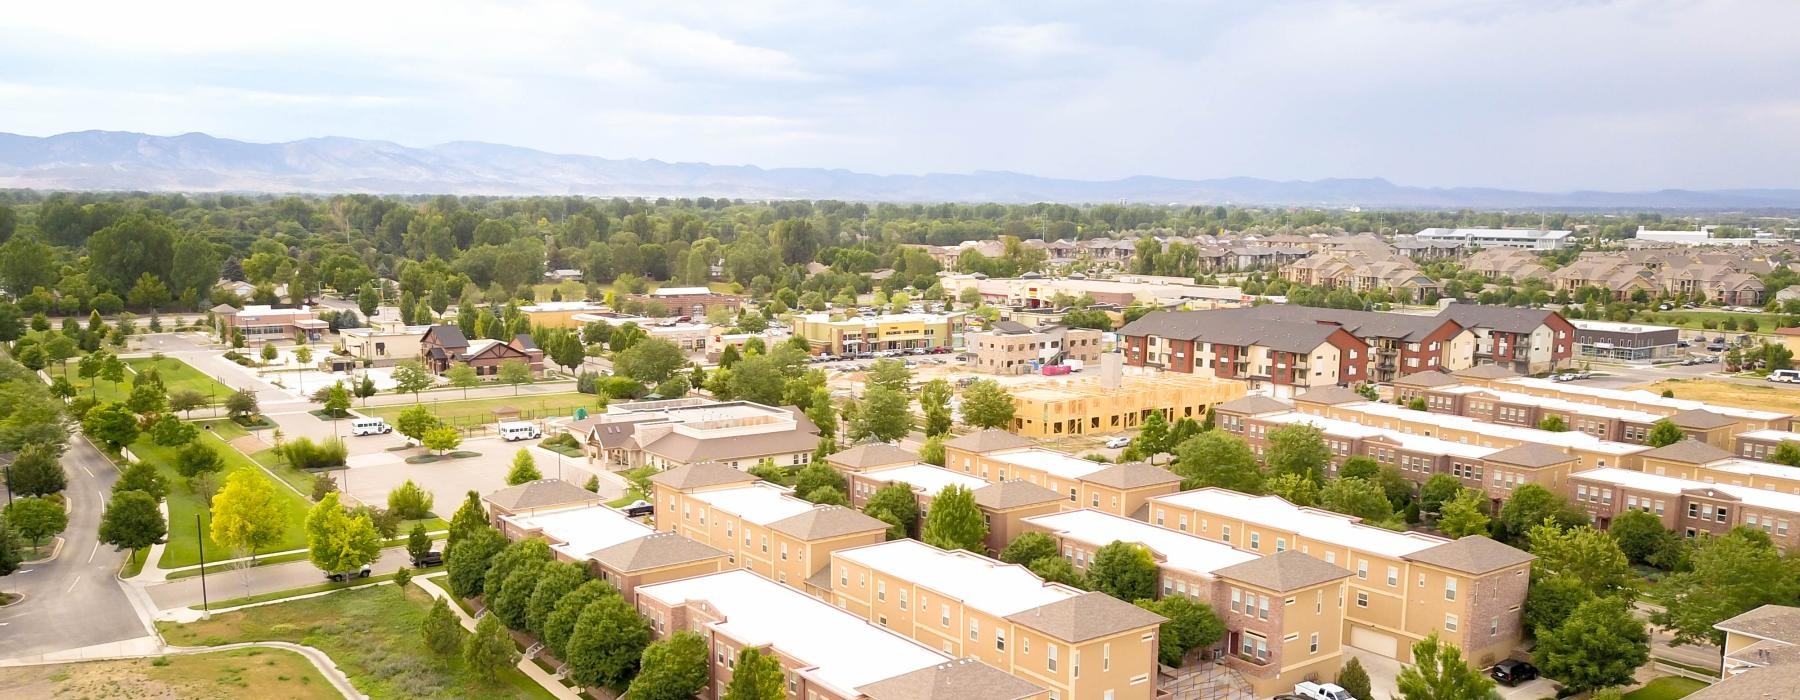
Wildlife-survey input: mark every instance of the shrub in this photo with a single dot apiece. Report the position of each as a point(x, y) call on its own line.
point(303, 453)
point(409, 501)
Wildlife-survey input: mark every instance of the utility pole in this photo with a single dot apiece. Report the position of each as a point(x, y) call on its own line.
point(200, 536)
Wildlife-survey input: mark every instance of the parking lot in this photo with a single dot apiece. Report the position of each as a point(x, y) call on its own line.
point(375, 470)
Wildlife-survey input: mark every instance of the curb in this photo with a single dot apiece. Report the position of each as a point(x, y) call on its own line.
point(54, 552)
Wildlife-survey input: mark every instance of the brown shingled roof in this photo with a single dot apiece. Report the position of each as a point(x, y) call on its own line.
point(1474, 554)
point(1284, 571)
point(681, 447)
point(653, 552)
point(955, 680)
point(1087, 616)
point(1427, 379)
point(824, 522)
point(1700, 419)
point(1688, 451)
point(989, 440)
point(701, 474)
point(1014, 494)
point(1531, 455)
point(1486, 372)
point(874, 454)
point(1253, 405)
point(542, 493)
point(1132, 475)
point(1331, 396)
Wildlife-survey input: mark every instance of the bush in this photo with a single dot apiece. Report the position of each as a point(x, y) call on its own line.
point(303, 453)
point(409, 501)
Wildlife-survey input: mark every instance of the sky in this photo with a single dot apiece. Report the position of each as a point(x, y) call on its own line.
point(1543, 95)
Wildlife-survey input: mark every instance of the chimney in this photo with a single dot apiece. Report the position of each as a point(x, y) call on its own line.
point(1112, 369)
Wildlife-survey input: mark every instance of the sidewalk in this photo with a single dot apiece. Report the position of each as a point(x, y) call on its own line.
point(531, 670)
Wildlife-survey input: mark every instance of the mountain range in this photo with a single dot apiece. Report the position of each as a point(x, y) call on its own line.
point(196, 162)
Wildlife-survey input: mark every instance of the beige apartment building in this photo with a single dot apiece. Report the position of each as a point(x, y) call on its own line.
point(1761, 655)
point(1283, 612)
point(867, 468)
point(760, 526)
point(1698, 461)
point(1009, 347)
point(996, 456)
point(1693, 508)
point(1076, 644)
point(615, 548)
point(1687, 413)
point(825, 653)
point(1406, 585)
point(1499, 403)
point(1108, 400)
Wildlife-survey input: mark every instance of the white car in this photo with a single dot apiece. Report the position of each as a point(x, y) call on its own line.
point(1118, 442)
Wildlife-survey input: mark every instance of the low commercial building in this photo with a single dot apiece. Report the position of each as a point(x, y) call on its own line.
point(692, 302)
point(1527, 238)
point(1693, 508)
point(444, 346)
point(383, 343)
point(836, 335)
point(1121, 489)
point(669, 433)
point(825, 653)
point(560, 314)
point(760, 526)
point(1406, 585)
point(1009, 347)
point(263, 323)
point(1625, 342)
point(1272, 644)
point(1074, 643)
point(1106, 399)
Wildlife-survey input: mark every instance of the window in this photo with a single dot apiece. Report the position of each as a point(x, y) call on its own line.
point(784, 551)
point(944, 615)
point(1236, 600)
point(1105, 657)
point(974, 629)
point(1362, 569)
point(1450, 623)
point(1318, 601)
point(1225, 534)
point(1050, 657)
point(1393, 578)
point(1493, 627)
point(902, 599)
point(881, 590)
point(1182, 523)
point(999, 640)
point(1075, 662)
point(1450, 588)
point(1314, 647)
point(1281, 544)
point(1255, 540)
point(1362, 599)
point(1262, 607)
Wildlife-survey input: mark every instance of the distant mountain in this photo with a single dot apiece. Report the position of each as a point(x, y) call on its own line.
point(111, 160)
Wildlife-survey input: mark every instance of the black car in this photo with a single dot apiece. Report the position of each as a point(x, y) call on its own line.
point(430, 559)
point(1513, 672)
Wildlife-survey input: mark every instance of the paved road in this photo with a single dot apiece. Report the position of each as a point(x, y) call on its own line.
point(1662, 643)
point(75, 600)
point(182, 593)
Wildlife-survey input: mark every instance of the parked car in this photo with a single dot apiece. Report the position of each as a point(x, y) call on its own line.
point(1322, 691)
point(1785, 375)
point(346, 575)
point(638, 509)
point(514, 431)
point(1118, 442)
point(370, 426)
point(1512, 672)
point(433, 558)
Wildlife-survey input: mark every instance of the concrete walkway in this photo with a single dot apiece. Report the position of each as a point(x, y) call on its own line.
point(526, 666)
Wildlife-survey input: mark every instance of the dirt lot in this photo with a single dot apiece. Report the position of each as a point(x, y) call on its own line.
point(1766, 398)
point(226, 674)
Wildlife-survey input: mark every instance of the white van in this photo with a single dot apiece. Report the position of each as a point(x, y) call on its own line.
point(1785, 375)
point(370, 426)
point(519, 430)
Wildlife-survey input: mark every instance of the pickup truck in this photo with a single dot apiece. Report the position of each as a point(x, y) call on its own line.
point(1322, 691)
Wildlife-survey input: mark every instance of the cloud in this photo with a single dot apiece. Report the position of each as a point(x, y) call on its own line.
point(1028, 43)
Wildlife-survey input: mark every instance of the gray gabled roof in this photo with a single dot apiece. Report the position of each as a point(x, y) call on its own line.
point(701, 474)
point(1688, 451)
point(542, 493)
point(1087, 616)
point(1014, 494)
point(448, 336)
point(1132, 475)
point(1531, 455)
point(1489, 371)
point(1700, 419)
point(1253, 405)
point(1474, 554)
point(1428, 379)
point(824, 522)
point(654, 552)
point(1507, 319)
point(1331, 396)
point(874, 454)
point(1284, 571)
point(1771, 621)
point(954, 680)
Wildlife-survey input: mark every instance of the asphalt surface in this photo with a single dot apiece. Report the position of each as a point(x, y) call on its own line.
point(182, 593)
point(76, 599)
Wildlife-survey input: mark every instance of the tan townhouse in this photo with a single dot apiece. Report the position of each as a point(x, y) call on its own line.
point(615, 548)
point(1698, 418)
point(672, 432)
point(1692, 508)
point(1699, 461)
point(1009, 347)
point(1761, 655)
point(1115, 488)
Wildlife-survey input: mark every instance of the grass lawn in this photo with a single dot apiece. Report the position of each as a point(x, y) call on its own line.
point(631, 495)
point(225, 428)
point(571, 291)
point(1695, 319)
point(184, 546)
point(372, 634)
point(1666, 688)
point(1754, 396)
point(177, 375)
point(219, 674)
point(299, 478)
point(481, 411)
point(431, 525)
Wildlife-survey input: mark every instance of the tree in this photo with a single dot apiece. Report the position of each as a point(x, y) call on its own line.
point(36, 518)
point(1554, 424)
point(896, 502)
point(821, 412)
point(1531, 505)
point(524, 469)
point(1153, 436)
point(36, 471)
point(111, 423)
point(1438, 672)
point(368, 301)
point(672, 669)
point(469, 517)
point(1728, 575)
point(1294, 488)
point(418, 542)
point(462, 376)
point(985, 404)
point(514, 597)
point(932, 450)
point(1354, 679)
point(410, 377)
point(1551, 599)
point(828, 496)
point(489, 650)
point(170, 431)
point(440, 629)
point(1357, 497)
point(1787, 453)
point(409, 501)
point(521, 553)
point(415, 422)
point(650, 361)
point(466, 560)
point(559, 625)
point(1298, 448)
point(11, 549)
point(241, 403)
point(442, 439)
point(1028, 548)
point(934, 401)
point(1601, 644)
point(607, 644)
point(1641, 535)
point(337, 400)
point(1664, 433)
point(757, 677)
point(1583, 554)
point(1462, 515)
point(883, 415)
point(247, 515)
point(1190, 626)
point(1124, 570)
point(132, 521)
point(554, 582)
point(197, 458)
point(1438, 490)
point(142, 476)
point(955, 522)
point(269, 353)
point(515, 372)
point(817, 475)
point(1058, 570)
point(1359, 467)
point(891, 374)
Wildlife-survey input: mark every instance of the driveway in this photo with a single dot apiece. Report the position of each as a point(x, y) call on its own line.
point(75, 600)
point(183, 593)
point(1383, 671)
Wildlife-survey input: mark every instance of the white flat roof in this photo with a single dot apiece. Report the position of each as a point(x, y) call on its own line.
point(1751, 467)
point(928, 478)
point(761, 503)
point(1776, 435)
point(993, 587)
point(583, 530)
point(680, 291)
point(846, 652)
point(1620, 327)
point(1325, 526)
point(1051, 462)
point(1409, 441)
point(551, 306)
point(1762, 498)
point(1576, 407)
point(1645, 397)
point(1181, 550)
point(1567, 439)
point(884, 318)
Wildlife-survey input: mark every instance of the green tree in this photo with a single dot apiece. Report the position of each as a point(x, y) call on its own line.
point(415, 422)
point(556, 581)
point(1294, 488)
point(1357, 497)
point(1583, 554)
point(821, 412)
point(1727, 576)
point(269, 353)
point(440, 629)
point(1123, 570)
point(1554, 424)
point(566, 613)
point(112, 424)
point(466, 561)
point(337, 400)
point(442, 439)
point(890, 374)
point(1058, 570)
point(469, 517)
point(1601, 644)
point(650, 362)
point(985, 404)
point(758, 676)
point(247, 515)
point(1787, 453)
point(241, 403)
point(489, 650)
point(934, 401)
point(463, 376)
point(1641, 535)
point(1462, 515)
point(1028, 547)
point(170, 431)
point(816, 475)
point(895, 501)
point(36, 471)
point(1221, 459)
point(1354, 679)
point(828, 496)
point(410, 377)
point(418, 542)
point(197, 458)
point(882, 416)
point(132, 521)
point(513, 600)
point(1297, 448)
point(142, 476)
point(515, 372)
point(1153, 436)
point(932, 450)
point(1664, 433)
point(1190, 626)
point(1531, 505)
point(607, 644)
point(1359, 467)
point(1438, 490)
point(955, 522)
point(1438, 672)
point(409, 501)
point(672, 669)
point(524, 469)
point(36, 518)
point(519, 554)
point(1551, 599)
point(336, 540)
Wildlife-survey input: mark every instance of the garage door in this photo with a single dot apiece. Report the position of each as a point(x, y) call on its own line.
point(1369, 640)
